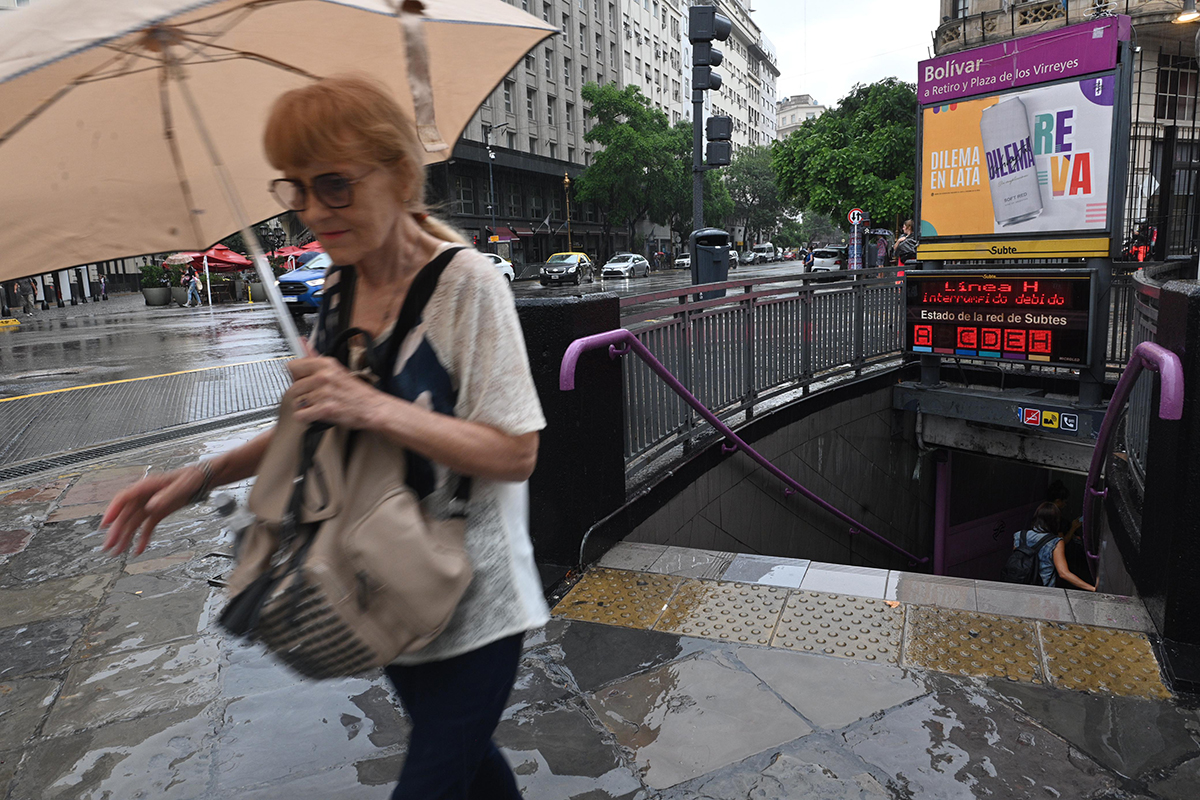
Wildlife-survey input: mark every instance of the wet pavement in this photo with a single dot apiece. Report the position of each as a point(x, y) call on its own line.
point(116, 683)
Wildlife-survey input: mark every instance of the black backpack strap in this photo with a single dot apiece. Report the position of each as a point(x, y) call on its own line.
point(419, 292)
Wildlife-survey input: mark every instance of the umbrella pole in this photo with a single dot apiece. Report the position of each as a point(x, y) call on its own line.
point(208, 283)
point(282, 315)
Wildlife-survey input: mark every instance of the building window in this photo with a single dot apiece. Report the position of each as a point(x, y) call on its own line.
point(959, 9)
point(583, 75)
point(515, 207)
point(556, 207)
point(567, 72)
point(508, 87)
point(570, 115)
point(582, 39)
point(548, 56)
point(530, 63)
point(596, 9)
point(589, 212)
point(628, 60)
point(536, 205)
point(1176, 95)
point(550, 111)
point(612, 16)
point(546, 13)
point(553, 150)
point(612, 53)
point(571, 154)
point(510, 140)
point(465, 189)
point(638, 68)
point(530, 100)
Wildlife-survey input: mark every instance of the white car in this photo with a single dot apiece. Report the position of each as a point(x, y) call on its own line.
point(828, 259)
point(504, 265)
point(626, 265)
point(683, 261)
point(733, 258)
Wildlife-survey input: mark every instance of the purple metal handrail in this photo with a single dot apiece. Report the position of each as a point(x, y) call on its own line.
point(1146, 355)
point(621, 341)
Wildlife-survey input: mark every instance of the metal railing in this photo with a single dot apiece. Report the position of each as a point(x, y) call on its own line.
point(1144, 327)
point(766, 340)
point(1146, 356)
point(621, 342)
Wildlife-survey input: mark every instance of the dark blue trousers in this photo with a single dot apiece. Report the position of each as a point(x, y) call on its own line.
point(455, 706)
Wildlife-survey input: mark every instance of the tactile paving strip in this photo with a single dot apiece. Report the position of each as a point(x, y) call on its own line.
point(1101, 660)
point(967, 643)
point(734, 612)
point(841, 625)
point(618, 597)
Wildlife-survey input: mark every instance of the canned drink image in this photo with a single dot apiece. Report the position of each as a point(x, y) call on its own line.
point(1012, 173)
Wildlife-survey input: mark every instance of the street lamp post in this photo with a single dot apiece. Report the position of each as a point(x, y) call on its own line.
point(487, 135)
point(567, 189)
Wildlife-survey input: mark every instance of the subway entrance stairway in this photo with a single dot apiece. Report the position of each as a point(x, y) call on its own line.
point(664, 673)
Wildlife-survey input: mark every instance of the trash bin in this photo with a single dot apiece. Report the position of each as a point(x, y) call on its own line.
point(711, 261)
point(50, 294)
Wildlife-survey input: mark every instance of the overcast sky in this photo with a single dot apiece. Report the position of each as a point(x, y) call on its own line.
point(826, 46)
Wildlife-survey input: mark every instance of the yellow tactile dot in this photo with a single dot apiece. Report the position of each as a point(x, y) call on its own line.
point(1101, 660)
point(840, 625)
point(967, 643)
point(725, 610)
point(618, 597)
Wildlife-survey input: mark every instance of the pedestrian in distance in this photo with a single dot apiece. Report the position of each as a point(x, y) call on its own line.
point(103, 288)
point(194, 286)
point(28, 291)
point(352, 167)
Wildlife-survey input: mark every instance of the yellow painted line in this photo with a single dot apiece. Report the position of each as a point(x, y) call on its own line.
point(143, 378)
point(11, 321)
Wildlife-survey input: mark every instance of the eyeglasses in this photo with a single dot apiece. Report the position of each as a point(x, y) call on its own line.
point(333, 189)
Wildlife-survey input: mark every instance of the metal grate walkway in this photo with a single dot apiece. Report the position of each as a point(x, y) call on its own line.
point(38, 425)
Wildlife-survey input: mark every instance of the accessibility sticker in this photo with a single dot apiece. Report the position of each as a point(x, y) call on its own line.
point(1031, 416)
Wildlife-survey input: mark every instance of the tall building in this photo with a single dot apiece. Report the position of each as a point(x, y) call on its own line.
point(793, 111)
point(1166, 89)
point(652, 53)
point(6, 5)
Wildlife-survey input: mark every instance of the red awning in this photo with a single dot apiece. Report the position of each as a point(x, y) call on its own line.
point(523, 231)
point(506, 234)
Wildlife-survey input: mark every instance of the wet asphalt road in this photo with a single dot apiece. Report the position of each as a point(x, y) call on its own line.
point(123, 338)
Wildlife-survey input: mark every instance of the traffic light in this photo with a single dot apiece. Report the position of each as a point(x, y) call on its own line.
point(719, 131)
point(705, 25)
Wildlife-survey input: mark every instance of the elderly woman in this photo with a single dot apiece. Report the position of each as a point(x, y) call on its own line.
point(463, 402)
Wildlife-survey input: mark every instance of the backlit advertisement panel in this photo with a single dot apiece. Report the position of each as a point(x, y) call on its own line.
point(1035, 160)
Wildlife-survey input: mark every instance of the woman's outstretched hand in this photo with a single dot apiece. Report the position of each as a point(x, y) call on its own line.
point(143, 505)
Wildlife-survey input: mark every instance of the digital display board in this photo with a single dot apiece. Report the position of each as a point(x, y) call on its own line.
point(1028, 316)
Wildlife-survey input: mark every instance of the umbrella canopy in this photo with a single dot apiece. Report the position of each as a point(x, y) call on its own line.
point(114, 113)
point(222, 259)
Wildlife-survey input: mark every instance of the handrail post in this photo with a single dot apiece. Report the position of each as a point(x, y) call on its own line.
point(685, 363)
point(859, 317)
point(751, 388)
point(807, 297)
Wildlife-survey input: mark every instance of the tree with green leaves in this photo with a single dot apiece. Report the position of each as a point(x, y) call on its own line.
point(861, 153)
point(623, 180)
point(673, 197)
point(757, 203)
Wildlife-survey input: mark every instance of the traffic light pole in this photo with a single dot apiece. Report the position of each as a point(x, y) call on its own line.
point(697, 162)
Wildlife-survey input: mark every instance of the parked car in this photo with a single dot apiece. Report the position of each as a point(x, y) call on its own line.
point(733, 258)
point(626, 265)
point(566, 268)
point(683, 260)
point(302, 288)
point(503, 264)
point(748, 257)
point(766, 252)
point(828, 259)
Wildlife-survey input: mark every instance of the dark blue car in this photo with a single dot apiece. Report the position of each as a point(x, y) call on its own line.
point(301, 288)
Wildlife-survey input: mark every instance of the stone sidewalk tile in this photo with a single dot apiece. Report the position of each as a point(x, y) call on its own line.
point(966, 643)
point(166, 755)
point(143, 610)
point(771, 570)
point(38, 646)
point(35, 495)
point(57, 551)
point(618, 597)
point(91, 493)
point(1110, 611)
point(688, 718)
point(13, 542)
point(1101, 660)
point(831, 693)
point(845, 579)
point(734, 612)
point(23, 704)
point(1037, 602)
point(134, 683)
point(52, 599)
point(932, 590)
point(687, 562)
point(845, 627)
point(632, 556)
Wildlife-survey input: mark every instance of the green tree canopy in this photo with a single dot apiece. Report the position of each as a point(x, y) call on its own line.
point(623, 180)
point(757, 202)
point(861, 153)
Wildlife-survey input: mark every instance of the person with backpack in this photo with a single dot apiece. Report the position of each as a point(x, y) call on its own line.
point(906, 245)
point(1039, 554)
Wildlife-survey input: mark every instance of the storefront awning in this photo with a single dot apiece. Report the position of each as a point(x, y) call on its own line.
point(523, 231)
point(506, 235)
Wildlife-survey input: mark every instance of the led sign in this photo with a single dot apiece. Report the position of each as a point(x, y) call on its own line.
point(1040, 317)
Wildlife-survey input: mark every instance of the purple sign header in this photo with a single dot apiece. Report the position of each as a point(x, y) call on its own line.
point(1062, 53)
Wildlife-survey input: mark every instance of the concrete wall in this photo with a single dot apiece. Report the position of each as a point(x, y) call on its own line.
point(850, 448)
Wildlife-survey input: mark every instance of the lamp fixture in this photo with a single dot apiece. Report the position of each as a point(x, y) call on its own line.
point(1189, 13)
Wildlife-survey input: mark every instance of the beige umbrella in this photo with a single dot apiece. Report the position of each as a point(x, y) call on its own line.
point(135, 126)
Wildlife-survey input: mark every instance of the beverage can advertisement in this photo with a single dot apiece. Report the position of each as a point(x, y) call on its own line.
point(1030, 161)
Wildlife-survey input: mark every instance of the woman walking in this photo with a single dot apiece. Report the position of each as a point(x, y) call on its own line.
point(462, 403)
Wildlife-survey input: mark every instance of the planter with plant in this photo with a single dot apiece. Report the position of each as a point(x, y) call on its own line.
point(153, 289)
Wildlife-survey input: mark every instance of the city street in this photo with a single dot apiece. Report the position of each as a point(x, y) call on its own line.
point(654, 282)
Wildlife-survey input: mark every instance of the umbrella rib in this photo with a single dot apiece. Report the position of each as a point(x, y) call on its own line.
point(272, 62)
point(173, 145)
